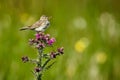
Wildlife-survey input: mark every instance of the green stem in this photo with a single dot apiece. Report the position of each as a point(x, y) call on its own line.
point(46, 63)
point(39, 77)
point(39, 64)
point(40, 57)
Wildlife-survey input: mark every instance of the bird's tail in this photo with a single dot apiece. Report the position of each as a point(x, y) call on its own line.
point(24, 28)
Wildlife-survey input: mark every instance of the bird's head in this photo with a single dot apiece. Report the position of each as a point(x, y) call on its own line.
point(44, 17)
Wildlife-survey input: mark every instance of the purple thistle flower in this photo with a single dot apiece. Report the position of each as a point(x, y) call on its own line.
point(53, 55)
point(41, 33)
point(46, 37)
point(51, 41)
point(37, 69)
point(60, 50)
point(38, 36)
point(31, 41)
point(40, 45)
point(25, 59)
point(37, 46)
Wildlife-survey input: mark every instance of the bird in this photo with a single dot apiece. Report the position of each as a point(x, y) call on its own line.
point(39, 26)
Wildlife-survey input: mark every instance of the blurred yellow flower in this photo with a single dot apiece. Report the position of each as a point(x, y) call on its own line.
point(101, 57)
point(81, 45)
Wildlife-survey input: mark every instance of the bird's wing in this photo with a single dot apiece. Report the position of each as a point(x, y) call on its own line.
point(36, 25)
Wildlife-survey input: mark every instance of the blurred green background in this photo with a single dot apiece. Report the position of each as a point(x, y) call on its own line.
point(89, 30)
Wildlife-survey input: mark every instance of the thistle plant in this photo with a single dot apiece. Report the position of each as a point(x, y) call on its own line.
point(40, 42)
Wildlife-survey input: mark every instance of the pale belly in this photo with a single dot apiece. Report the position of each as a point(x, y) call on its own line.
point(41, 28)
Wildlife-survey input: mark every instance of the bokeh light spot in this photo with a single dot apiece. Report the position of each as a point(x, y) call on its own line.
point(81, 45)
point(101, 57)
point(71, 68)
point(80, 23)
